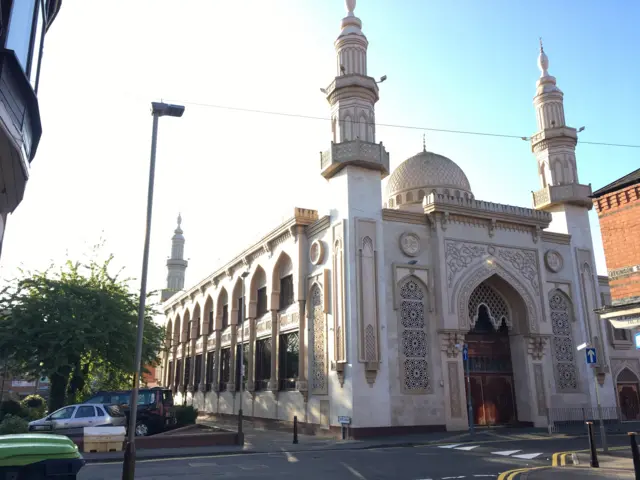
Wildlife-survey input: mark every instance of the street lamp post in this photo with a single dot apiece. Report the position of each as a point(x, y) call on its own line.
point(242, 315)
point(158, 109)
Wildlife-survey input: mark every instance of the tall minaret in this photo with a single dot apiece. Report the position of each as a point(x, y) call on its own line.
point(568, 202)
point(352, 96)
point(354, 167)
point(554, 146)
point(176, 264)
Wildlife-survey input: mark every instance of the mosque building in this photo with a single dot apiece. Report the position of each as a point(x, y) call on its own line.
point(362, 315)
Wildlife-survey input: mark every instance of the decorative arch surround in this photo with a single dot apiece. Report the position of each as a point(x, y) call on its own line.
point(564, 358)
point(485, 294)
point(413, 337)
point(627, 376)
point(467, 284)
point(320, 361)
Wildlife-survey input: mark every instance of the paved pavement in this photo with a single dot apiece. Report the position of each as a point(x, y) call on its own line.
point(486, 457)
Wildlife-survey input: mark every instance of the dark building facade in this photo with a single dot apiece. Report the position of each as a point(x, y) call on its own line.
point(23, 27)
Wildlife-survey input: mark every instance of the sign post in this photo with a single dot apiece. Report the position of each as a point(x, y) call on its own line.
point(592, 359)
point(465, 358)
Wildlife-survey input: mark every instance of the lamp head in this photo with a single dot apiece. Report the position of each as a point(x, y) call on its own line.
point(162, 109)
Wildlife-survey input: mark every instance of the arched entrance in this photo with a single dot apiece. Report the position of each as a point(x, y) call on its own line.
point(628, 395)
point(490, 368)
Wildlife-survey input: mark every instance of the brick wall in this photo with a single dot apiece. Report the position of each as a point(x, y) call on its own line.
point(619, 214)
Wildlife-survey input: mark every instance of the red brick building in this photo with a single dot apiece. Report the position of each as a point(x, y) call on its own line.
point(618, 207)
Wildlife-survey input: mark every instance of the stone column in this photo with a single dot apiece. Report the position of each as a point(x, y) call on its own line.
point(233, 322)
point(302, 385)
point(203, 371)
point(216, 356)
point(275, 347)
point(251, 374)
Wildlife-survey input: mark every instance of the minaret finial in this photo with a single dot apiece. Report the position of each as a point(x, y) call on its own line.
point(424, 142)
point(179, 219)
point(351, 6)
point(543, 61)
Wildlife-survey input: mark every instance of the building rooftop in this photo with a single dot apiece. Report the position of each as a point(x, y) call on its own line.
point(630, 179)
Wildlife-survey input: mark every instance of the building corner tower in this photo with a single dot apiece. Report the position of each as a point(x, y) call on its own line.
point(568, 201)
point(176, 264)
point(354, 167)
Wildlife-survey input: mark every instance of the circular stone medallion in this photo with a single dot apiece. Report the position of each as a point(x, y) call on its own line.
point(553, 260)
point(316, 252)
point(410, 244)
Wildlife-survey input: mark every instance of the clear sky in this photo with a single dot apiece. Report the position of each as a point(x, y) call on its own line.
point(463, 65)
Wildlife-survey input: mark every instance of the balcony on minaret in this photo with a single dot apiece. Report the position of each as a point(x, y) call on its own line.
point(571, 193)
point(363, 154)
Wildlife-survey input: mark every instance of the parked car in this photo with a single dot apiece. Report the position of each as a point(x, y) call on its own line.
point(72, 419)
point(155, 407)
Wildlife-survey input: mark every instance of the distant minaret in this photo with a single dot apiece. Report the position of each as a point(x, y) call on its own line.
point(176, 264)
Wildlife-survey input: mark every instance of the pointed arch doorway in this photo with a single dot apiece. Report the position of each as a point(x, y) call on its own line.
point(628, 395)
point(490, 366)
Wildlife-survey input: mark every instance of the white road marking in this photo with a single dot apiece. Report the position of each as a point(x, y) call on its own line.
point(203, 464)
point(451, 478)
point(290, 457)
point(528, 456)
point(486, 476)
point(450, 446)
point(353, 471)
point(506, 453)
point(466, 449)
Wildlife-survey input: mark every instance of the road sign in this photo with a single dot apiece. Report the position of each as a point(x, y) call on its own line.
point(638, 341)
point(344, 420)
point(591, 355)
point(465, 353)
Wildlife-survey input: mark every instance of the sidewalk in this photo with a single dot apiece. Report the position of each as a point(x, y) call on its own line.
point(273, 441)
point(617, 464)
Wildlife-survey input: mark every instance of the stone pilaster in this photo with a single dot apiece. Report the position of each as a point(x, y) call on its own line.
point(233, 321)
point(275, 347)
point(302, 384)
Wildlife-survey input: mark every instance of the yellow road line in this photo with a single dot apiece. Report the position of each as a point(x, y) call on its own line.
point(512, 474)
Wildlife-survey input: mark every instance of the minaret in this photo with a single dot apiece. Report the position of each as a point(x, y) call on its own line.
point(176, 264)
point(354, 167)
point(569, 203)
point(554, 146)
point(352, 96)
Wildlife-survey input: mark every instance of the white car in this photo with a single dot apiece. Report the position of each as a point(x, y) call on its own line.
point(72, 419)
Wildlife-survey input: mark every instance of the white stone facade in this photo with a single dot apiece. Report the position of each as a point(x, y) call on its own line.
point(382, 299)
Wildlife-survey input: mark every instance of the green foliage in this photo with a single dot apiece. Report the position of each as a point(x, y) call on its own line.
point(77, 325)
point(11, 407)
point(35, 407)
point(12, 424)
point(186, 415)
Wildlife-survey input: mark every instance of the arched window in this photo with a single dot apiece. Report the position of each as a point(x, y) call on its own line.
point(413, 338)
point(562, 345)
point(409, 197)
point(496, 307)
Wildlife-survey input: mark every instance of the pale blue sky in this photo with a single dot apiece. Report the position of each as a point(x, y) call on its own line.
point(465, 65)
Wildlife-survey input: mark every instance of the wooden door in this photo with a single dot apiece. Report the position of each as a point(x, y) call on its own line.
point(629, 400)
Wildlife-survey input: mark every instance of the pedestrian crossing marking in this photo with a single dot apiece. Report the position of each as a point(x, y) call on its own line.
point(506, 453)
point(528, 456)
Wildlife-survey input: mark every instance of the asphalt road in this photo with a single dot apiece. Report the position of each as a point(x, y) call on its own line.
point(480, 460)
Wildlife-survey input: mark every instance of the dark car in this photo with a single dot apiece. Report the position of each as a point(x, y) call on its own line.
point(155, 407)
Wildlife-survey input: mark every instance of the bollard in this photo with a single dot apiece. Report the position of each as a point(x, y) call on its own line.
point(592, 446)
point(635, 454)
point(295, 429)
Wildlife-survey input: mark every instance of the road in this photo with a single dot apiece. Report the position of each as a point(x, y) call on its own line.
point(480, 460)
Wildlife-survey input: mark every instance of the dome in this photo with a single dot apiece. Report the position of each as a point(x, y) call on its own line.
point(423, 174)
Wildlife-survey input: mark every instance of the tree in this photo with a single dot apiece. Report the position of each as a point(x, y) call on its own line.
point(72, 323)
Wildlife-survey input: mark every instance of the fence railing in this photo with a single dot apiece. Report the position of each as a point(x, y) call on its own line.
point(572, 419)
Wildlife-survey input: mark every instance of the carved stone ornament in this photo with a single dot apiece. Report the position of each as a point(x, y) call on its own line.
point(410, 244)
point(316, 252)
point(553, 261)
point(449, 342)
point(536, 347)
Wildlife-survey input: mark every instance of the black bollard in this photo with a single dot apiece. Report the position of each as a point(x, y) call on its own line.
point(295, 429)
point(592, 446)
point(635, 454)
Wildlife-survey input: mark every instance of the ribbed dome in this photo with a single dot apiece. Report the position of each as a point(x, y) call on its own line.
point(423, 173)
